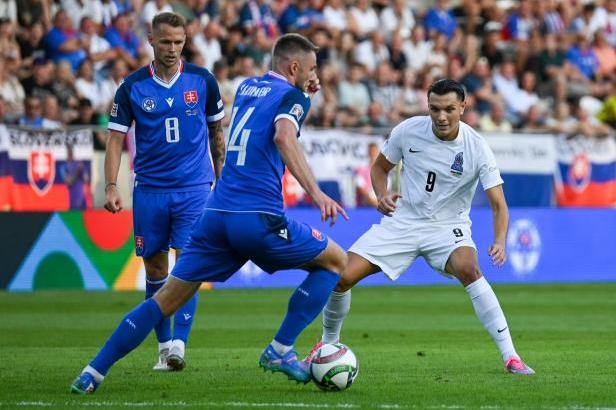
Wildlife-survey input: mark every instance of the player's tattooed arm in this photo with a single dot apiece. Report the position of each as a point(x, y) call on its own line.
point(217, 146)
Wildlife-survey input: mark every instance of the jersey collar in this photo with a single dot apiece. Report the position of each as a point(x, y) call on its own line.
point(160, 81)
point(276, 75)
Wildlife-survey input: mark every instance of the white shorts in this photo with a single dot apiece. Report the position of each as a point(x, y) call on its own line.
point(393, 245)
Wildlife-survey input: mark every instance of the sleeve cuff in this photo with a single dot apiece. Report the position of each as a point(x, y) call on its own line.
point(216, 117)
point(288, 117)
point(114, 126)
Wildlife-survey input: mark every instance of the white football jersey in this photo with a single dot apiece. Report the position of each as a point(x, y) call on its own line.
point(439, 178)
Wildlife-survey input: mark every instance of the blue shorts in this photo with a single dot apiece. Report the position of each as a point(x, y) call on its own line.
point(222, 242)
point(165, 219)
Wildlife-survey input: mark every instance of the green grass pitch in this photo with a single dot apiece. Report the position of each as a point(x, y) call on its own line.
point(418, 347)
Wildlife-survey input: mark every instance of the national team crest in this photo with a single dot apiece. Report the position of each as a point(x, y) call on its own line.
point(579, 173)
point(139, 244)
point(191, 98)
point(457, 166)
point(41, 171)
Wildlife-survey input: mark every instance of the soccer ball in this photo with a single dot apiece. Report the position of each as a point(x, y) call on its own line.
point(334, 367)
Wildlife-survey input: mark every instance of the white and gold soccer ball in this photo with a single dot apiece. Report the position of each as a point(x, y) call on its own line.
point(334, 367)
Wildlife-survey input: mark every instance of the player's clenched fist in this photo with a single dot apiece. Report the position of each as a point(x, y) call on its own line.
point(387, 203)
point(113, 200)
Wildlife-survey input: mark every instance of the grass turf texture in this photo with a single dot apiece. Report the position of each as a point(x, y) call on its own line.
point(418, 347)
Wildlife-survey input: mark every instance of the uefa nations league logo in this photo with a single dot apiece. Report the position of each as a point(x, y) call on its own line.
point(524, 243)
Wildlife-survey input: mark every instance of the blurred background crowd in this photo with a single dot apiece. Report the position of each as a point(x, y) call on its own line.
point(532, 65)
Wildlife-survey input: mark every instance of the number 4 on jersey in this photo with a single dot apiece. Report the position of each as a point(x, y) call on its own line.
point(236, 130)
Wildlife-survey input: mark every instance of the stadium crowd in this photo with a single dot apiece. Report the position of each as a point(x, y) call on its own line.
point(532, 65)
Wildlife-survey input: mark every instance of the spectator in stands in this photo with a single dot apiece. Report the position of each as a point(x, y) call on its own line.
point(552, 70)
point(87, 87)
point(610, 22)
point(588, 126)
point(109, 86)
point(377, 118)
point(99, 50)
point(336, 18)
point(397, 17)
point(64, 89)
point(534, 120)
point(363, 20)
point(397, 58)
point(495, 120)
point(33, 115)
point(52, 112)
point(225, 85)
point(353, 97)
point(62, 42)
point(12, 92)
point(479, 86)
point(607, 112)
point(408, 103)
point(301, 18)
point(88, 116)
point(384, 90)
point(562, 122)
point(124, 40)
point(343, 54)
point(373, 51)
point(364, 194)
point(471, 118)
point(582, 56)
point(244, 68)
point(78, 9)
point(39, 83)
point(440, 20)
point(491, 47)
point(76, 176)
point(437, 59)
point(257, 15)
point(606, 56)
point(31, 44)
point(506, 85)
point(205, 10)
point(30, 11)
point(552, 22)
point(207, 43)
point(152, 8)
point(417, 48)
point(8, 9)
point(9, 47)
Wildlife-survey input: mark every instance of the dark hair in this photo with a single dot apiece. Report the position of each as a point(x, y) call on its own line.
point(291, 44)
point(172, 19)
point(446, 86)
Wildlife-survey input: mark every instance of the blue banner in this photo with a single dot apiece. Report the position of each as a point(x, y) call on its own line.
point(543, 245)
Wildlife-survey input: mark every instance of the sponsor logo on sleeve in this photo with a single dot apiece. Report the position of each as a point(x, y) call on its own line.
point(114, 110)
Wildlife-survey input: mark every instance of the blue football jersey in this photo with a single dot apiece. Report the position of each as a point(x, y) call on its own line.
point(251, 179)
point(171, 133)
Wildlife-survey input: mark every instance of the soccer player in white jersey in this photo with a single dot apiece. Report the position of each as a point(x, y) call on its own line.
point(443, 160)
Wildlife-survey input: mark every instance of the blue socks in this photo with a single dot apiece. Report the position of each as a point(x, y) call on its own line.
point(183, 319)
point(163, 329)
point(305, 304)
point(133, 330)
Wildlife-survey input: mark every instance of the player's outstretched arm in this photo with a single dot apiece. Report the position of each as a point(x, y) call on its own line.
point(113, 156)
point(293, 156)
point(217, 146)
point(378, 173)
point(500, 214)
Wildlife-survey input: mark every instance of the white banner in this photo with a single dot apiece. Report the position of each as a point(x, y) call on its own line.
point(523, 153)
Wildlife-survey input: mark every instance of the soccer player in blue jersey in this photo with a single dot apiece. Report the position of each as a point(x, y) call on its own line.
point(175, 107)
point(244, 218)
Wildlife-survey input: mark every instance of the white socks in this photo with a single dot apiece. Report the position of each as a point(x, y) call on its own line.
point(280, 348)
point(334, 313)
point(164, 345)
point(179, 347)
point(490, 314)
point(97, 376)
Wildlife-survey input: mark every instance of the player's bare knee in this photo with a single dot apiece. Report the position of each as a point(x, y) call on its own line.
point(468, 273)
point(339, 261)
